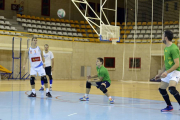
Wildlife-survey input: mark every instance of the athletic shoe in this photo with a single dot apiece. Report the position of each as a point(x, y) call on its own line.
point(168, 108)
point(84, 99)
point(50, 88)
point(32, 95)
point(111, 101)
point(48, 94)
point(41, 89)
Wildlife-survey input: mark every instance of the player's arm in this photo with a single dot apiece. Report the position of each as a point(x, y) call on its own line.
point(98, 80)
point(52, 61)
point(25, 58)
point(162, 70)
point(175, 66)
point(42, 56)
point(95, 76)
point(89, 77)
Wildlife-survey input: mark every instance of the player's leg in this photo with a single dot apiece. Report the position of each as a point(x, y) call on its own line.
point(50, 82)
point(41, 72)
point(86, 96)
point(103, 87)
point(172, 86)
point(32, 82)
point(49, 73)
point(42, 82)
point(42, 86)
point(162, 89)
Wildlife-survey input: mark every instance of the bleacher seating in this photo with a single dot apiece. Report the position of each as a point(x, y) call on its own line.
point(53, 26)
point(62, 29)
point(5, 24)
point(143, 30)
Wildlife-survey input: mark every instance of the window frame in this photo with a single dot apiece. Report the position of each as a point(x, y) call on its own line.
point(49, 4)
point(175, 6)
point(130, 66)
point(109, 58)
point(3, 5)
point(167, 6)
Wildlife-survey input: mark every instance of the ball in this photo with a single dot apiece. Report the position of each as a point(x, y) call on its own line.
point(61, 13)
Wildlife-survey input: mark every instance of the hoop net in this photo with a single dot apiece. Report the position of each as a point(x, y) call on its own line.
point(114, 40)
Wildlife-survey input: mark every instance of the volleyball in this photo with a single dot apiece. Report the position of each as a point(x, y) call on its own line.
point(61, 13)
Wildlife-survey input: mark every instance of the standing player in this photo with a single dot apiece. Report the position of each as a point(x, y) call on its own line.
point(49, 62)
point(101, 83)
point(170, 74)
point(36, 59)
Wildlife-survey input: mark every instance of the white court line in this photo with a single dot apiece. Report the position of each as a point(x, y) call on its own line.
point(72, 114)
point(140, 82)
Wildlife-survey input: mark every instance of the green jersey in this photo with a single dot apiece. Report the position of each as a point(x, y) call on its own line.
point(171, 53)
point(103, 72)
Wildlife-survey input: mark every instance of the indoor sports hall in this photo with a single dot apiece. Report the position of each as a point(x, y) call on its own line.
point(127, 34)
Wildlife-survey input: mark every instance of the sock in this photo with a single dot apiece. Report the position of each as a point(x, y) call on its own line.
point(177, 98)
point(50, 81)
point(42, 86)
point(34, 91)
point(86, 95)
point(166, 98)
point(47, 90)
point(42, 83)
point(50, 85)
point(110, 97)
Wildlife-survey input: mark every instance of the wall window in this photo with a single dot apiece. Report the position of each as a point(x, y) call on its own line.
point(45, 8)
point(82, 6)
point(98, 7)
point(109, 62)
point(90, 12)
point(137, 63)
point(167, 6)
point(175, 6)
point(2, 4)
point(143, 16)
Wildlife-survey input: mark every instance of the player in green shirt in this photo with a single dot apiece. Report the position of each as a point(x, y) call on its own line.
point(170, 74)
point(102, 82)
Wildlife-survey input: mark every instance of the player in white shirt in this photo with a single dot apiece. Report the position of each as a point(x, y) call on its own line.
point(36, 59)
point(49, 66)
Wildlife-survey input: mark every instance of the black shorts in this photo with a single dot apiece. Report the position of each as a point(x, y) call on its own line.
point(106, 82)
point(48, 70)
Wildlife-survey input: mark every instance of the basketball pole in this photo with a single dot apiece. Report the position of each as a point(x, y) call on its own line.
point(152, 19)
point(179, 26)
point(135, 33)
point(124, 51)
point(162, 30)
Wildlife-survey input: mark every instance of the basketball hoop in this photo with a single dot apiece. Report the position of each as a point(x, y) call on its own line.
point(114, 40)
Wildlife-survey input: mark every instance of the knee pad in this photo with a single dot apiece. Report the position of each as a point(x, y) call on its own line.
point(173, 90)
point(163, 91)
point(43, 78)
point(103, 88)
point(88, 85)
point(32, 80)
point(50, 77)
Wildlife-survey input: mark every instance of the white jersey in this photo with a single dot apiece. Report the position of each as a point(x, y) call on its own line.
point(35, 57)
point(48, 56)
